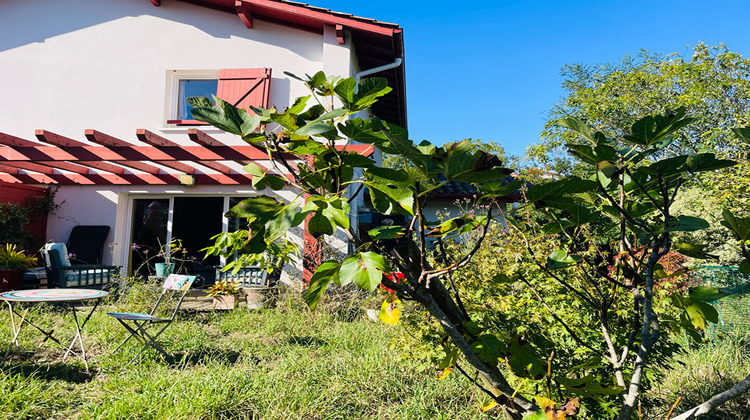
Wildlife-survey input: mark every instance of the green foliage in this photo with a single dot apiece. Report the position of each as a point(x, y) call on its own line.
point(700, 372)
point(285, 363)
point(710, 244)
point(713, 85)
point(224, 288)
point(15, 216)
point(13, 258)
point(575, 306)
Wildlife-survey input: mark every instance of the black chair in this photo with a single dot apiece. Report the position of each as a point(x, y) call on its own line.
point(60, 273)
point(86, 243)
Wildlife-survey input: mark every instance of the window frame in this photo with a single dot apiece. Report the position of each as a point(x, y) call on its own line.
point(125, 251)
point(172, 100)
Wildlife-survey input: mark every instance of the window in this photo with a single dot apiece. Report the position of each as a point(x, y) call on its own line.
point(189, 88)
point(191, 219)
point(240, 87)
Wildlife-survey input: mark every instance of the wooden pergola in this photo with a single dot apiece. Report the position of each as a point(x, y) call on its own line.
point(107, 160)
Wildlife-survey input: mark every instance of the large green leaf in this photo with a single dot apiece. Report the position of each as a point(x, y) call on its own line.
point(280, 224)
point(314, 128)
point(587, 386)
point(580, 215)
point(306, 147)
point(552, 189)
point(578, 126)
point(386, 232)
point(226, 116)
point(322, 277)
point(261, 179)
point(592, 155)
point(739, 225)
point(369, 90)
point(319, 225)
point(298, 105)
point(362, 131)
point(393, 178)
point(690, 250)
point(497, 189)
point(559, 258)
point(338, 212)
point(365, 269)
point(463, 163)
point(345, 89)
point(666, 167)
point(707, 162)
point(255, 207)
point(711, 294)
point(743, 133)
point(686, 224)
point(488, 348)
point(522, 360)
point(697, 313)
point(650, 129)
point(390, 189)
point(356, 160)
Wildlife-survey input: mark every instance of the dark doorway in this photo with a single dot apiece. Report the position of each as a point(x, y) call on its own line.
point(194, 221)
point(149, 234)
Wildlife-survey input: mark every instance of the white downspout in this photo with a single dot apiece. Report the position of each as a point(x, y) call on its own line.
point(374, 70)
point(354, 213)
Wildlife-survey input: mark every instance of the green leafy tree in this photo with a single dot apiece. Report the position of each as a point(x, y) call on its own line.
point(713, 85)
point(625, 207)
point(397, 161)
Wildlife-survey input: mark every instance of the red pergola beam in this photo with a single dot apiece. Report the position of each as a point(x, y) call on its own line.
point(107, 140)
point(8, 140)
point(8, 169)
point(126, 179)
point(157, 140)
point(147, 153)
point(204, 139)
point(31, 166)
point(58, 140)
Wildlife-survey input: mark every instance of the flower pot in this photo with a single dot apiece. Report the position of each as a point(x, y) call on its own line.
point(11, 279)
point(225, 302)
point(255, 297)
point(164, 269)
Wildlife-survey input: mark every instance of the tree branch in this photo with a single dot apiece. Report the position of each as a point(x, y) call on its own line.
point(493, 376)
point(564, 325)
point(741, 388)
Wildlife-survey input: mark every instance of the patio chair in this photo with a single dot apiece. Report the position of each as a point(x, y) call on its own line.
point(138, 324)
point(87, 244)
point(60, 273)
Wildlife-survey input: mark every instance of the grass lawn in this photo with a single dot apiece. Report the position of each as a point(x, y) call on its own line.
point(283, 363)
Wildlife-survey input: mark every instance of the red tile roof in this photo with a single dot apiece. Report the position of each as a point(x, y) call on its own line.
point(375, 43)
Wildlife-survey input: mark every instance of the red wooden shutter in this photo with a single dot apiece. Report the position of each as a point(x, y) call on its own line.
point(245, 87)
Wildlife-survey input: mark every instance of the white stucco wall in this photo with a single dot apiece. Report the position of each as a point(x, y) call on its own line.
point(71, 65)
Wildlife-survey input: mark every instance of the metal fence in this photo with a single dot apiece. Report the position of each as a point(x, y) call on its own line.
point(734, 312)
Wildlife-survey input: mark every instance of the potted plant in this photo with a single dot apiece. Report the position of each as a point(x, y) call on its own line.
point(224, 294)
point(13, 262)
point(170, 252)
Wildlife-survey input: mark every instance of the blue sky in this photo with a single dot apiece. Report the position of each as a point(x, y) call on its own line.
point(491, 70)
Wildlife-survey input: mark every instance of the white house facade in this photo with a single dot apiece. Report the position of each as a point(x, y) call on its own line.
point(94, 91)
